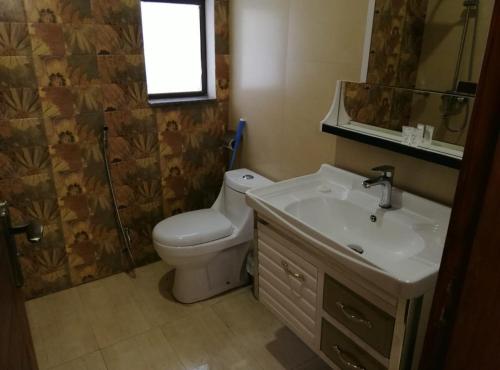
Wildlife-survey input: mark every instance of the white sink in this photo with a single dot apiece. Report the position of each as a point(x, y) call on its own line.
point(400, 248)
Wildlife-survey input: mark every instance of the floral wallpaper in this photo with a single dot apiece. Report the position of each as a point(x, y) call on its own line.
point(67, 67)
point(378, 105)
point(396, 45)
point(397, 37)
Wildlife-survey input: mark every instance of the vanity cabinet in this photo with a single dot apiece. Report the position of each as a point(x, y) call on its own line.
point(347, 320)
point(288, 284)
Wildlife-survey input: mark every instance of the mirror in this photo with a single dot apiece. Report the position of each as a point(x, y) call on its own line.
point(422, 63)
point(435, 45)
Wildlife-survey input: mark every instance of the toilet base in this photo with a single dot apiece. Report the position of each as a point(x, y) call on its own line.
point(225, 271)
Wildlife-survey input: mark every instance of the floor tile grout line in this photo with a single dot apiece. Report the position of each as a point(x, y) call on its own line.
point(173, 349)
point(127, 338)
point(79, 313)
point(87, 317)
point(220, 318)
point(77, 358)
point(138, 335)
point(92, 325)
point(242, 347)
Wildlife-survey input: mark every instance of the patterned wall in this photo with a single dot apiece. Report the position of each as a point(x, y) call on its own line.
point(66, 68)
point(378, 105)
point(396, 44)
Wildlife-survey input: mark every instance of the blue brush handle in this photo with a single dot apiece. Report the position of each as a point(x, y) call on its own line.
point(237, 141)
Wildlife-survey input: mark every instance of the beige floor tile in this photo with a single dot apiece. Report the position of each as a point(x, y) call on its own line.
point(147, 351)
point(257, 332)
point(60, 328)
point(203, 341)
point(92, 361)
point(153, 270)
point(151, 293)
point(242, 312)
point(111, 309)
point(51, 307)
point(315, 364)
point(227, 295)
point(123, 317)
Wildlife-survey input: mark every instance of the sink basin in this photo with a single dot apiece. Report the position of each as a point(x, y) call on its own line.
point(388, 237)
point(399, 247)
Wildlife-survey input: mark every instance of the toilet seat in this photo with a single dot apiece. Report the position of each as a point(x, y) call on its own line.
point(192, 228)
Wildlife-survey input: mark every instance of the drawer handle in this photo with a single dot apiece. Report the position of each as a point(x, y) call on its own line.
point(347, 359)
point(295, 275)
point(263, 222)
point(353, 315)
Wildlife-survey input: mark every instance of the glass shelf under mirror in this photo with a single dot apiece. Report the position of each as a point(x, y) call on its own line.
point(376, 114)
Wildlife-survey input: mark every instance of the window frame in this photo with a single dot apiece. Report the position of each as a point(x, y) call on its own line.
point(203, 43)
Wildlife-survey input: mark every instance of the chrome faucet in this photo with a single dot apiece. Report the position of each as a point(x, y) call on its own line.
point(385, 180)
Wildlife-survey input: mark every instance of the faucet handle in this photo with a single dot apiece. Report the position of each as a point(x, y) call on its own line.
point(387, 170)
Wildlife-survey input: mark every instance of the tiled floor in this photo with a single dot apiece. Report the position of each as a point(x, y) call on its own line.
point(122, 323)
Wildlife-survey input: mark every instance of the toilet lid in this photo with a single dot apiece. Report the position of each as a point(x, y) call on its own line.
point(192, 228)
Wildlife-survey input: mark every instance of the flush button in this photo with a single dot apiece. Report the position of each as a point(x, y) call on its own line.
point(248, 177)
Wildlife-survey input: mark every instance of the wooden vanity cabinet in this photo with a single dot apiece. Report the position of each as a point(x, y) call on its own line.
point(348, 321)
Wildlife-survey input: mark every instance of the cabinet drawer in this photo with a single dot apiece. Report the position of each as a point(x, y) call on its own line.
point(344, 352)
point(368, 322)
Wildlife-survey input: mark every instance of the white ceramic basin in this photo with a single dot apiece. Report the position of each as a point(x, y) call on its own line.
point(400, 247)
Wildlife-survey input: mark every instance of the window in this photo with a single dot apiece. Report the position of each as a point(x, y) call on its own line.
point(175, 48)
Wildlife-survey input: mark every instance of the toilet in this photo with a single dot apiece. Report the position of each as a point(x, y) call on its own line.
point(208, 248)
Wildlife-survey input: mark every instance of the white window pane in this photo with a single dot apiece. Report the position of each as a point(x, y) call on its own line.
point(172, 47)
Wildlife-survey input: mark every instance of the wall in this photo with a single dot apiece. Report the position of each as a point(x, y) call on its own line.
point(420, 177)
point(287, 55)
point(67, 68)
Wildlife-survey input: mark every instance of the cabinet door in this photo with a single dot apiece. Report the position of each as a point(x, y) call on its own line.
point(287, 284)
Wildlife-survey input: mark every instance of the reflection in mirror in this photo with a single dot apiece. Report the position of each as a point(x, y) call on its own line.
point(392, 108)
point(454, 41)
point(435, 45)
point(423, 63)
point(385, 113)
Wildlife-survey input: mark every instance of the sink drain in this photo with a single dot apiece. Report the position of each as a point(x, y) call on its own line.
point(356, 248)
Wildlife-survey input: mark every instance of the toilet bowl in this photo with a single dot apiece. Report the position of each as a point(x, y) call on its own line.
point(208, 247)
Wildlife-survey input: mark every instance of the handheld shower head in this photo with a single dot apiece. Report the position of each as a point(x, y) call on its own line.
point(471, 3)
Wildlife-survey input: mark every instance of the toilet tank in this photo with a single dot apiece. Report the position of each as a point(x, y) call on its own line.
point(236, 183)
